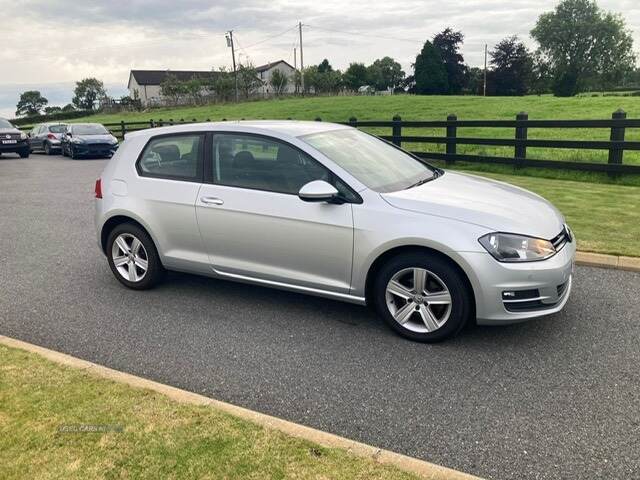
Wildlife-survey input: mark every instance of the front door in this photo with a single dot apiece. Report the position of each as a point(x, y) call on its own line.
point(254, 225)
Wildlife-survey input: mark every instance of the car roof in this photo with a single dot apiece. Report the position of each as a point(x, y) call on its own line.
point(291, 128)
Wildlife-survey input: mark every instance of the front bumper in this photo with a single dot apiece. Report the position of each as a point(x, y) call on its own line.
point(88, 149)
point(515, 292)
point(19, 146)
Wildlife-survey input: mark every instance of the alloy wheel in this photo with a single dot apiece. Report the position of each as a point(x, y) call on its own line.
point(130, 257)
point(418, 300)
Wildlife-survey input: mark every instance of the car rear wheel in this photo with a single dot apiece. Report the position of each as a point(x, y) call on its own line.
point(47, 148)
point(133, 257)
point(422, 297)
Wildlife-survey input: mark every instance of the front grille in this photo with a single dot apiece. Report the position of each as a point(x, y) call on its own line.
point(9, 136)
point(561, 239)
point(99, 147)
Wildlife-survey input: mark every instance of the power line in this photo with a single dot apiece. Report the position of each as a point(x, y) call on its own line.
point(271, 37)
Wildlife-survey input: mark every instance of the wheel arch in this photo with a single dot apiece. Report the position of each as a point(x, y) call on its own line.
point(116, 220)
point(403, 250)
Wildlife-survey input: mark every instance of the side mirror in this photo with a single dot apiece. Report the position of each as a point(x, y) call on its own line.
point(318, 191)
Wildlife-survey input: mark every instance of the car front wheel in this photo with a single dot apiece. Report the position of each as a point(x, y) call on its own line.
point(422, 297)
point(133, 257)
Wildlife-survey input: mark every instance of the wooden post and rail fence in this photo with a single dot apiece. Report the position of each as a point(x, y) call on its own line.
point(521, 125)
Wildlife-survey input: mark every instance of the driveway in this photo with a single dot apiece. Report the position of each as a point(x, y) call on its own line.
point(553, 398)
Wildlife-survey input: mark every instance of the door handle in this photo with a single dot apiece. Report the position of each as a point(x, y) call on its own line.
point(212, 200)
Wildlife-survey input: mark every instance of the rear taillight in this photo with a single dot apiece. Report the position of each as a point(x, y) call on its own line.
point(98, 188)
point(51, 136)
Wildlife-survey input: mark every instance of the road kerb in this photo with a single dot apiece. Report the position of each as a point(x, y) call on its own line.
point(608, 261)
point(422, 468)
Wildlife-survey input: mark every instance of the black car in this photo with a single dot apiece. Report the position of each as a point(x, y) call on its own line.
point(88, 139)
point(13, 140)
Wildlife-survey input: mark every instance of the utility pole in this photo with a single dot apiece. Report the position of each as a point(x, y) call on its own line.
point(295, 66)
point(484, 88)
point(233, 56)
point(301, 59)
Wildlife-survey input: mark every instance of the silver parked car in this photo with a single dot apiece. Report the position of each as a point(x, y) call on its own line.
point(328, 210)
point(46, 137)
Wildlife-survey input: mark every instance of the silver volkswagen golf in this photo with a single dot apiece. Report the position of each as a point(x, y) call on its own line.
point(328, 210)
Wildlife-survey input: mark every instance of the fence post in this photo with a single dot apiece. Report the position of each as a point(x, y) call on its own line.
point(521, 137)
point(318, 119)
point(160, 123)
point(171, 121)
point(617, 135)
point(353, 122)
point(152, 124)
point(452, 133)
point(396, 131)
point(123, 128)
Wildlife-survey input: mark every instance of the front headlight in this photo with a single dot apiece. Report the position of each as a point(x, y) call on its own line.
point(508, 247)
point(23, 136)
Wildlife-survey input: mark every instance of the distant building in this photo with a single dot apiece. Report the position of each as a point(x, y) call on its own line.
point(145, 84)
point(265, 72)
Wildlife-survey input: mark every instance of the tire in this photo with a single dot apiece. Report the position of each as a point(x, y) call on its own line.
point(441, 278)
point(47, 148)
point(64, 151)
point(72, 153)
point(129, 233)
point(24, 153)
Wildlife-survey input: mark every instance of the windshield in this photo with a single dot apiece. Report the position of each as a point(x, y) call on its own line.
point(5, 124)
point(57, 128)
point(375, 163)
point(89, 129)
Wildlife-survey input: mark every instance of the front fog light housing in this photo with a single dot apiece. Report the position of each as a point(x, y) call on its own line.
point(508, 247)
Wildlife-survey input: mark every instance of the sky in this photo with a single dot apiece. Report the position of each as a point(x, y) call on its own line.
point(54, 43)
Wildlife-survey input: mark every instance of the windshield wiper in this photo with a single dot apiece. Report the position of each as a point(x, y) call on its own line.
point(423, 181)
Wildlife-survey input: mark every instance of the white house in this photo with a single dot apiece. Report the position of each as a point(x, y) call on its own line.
point(265, 72)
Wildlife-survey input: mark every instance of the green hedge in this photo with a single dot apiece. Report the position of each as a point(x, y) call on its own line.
point(51, 117)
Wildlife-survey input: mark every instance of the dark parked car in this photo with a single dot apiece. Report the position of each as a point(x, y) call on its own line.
point(88, 139)
point(13, 140)
point(47, 136)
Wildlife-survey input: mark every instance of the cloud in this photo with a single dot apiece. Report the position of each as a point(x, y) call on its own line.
point(62, 41)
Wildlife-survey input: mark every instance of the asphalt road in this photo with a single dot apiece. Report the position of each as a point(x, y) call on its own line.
point(553, 398)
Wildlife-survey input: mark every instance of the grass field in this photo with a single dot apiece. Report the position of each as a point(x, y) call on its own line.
point(151, 436)
point(605, 218)
point(411, 107)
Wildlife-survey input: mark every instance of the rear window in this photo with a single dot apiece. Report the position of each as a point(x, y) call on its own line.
point(172, 157)
point(57, 128)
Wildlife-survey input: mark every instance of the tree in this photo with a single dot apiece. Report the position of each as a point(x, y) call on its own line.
point(172, 88)
point(87, 92)
point(430, 72)
point(52, 110)
point(193, 88)
point(278, 82)
point(31, 103)
point(324, 66)
point(512, 68)
point(385, 73)
point(223, 84)
point(474, 81)
point(355, 76)
point(248, 80)
point(448, 43)
point(541, 78)
point(583, 46)
point(69, 107)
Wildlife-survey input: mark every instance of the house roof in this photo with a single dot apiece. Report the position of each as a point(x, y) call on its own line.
point(156, 77)
point(267, 66)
